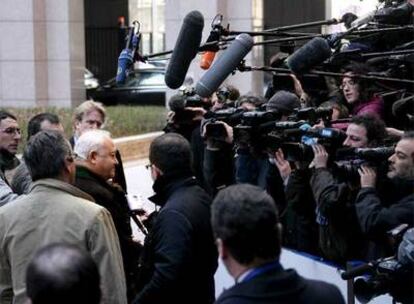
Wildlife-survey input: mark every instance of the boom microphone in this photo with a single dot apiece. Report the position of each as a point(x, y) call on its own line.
point(224, 65)
point(364, 19)
point(185, 49)
point(309, 55)
point(404, 106)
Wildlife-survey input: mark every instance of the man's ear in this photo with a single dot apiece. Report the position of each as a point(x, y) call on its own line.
point(155, 172)
point(279, 229)
point(92, 156)
point(70, 166)
point(222, 249)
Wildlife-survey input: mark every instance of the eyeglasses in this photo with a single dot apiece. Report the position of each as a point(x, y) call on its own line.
point(351, 83)
point(148, 166)
point(11, 131)
point(112, 155)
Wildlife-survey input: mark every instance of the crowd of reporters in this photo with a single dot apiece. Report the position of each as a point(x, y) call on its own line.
point(328, 149)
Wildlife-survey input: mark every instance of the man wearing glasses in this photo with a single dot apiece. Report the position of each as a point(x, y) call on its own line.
point(10, 137)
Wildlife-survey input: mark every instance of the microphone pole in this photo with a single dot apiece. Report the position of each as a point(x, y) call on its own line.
point(354, 32)
point(265, 32)
point(243, 68)
point(297, 36)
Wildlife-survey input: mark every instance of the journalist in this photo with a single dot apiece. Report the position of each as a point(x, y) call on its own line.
point(376, 216)
point(340, 237)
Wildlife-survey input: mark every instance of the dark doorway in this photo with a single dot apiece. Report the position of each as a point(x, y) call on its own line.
point(103, 36)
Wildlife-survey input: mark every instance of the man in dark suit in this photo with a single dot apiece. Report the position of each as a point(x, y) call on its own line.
point(179, 256)
point(248, 233)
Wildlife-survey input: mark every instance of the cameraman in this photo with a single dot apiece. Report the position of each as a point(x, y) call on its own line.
point(340, 238)
point(253, 166)
point(375, 216)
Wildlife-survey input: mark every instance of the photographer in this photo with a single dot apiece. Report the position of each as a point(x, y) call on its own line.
point(339, 232)
point(375, 216)
point(253, 166)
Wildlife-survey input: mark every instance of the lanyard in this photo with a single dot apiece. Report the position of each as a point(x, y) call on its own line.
point(262, 269)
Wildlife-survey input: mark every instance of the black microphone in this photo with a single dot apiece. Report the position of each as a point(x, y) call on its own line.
point(224, 65)
point(185, 49)
point(357, 271)
point(309, 55)
point(177, 103)
point(403, 106)
point(348, 18)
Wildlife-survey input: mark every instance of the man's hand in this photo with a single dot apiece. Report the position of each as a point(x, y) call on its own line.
point(198, 112)
point(212, 144)
point(320, 158)
point(282, 164)
point(368, 177)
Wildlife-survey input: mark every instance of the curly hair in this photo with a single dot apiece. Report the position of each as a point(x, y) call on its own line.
point(366, 89)
point(375, 127)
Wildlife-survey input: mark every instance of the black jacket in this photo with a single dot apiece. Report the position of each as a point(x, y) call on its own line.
point(376, 217)
point(180, 257)
point(113, 198)
point(300, 230)
point(340, 239)
point(281, 287)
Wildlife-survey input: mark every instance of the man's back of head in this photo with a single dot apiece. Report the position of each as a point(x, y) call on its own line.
point(49, 155)
point(171, 154)
point(61, 273)
point(247, 229)
point(245, 219)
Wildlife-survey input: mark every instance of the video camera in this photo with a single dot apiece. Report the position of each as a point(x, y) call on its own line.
point(393, 275)
point(349, 160)
point(186, 98)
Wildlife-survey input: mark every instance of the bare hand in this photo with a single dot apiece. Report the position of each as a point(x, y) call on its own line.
point(320, 159)
point(368, 177)
point(199, 112)
point(282, 164)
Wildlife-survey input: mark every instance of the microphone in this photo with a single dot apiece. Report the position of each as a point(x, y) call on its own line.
point(309, 55)
point(185, 49)
point(224, 65)
point(126, 58)
point(364, 19)
point(403, 106)
point(348, 18)
point(208, 56)
point(357, 271)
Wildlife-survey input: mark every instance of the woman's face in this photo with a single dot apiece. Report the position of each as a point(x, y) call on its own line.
point(350, 89)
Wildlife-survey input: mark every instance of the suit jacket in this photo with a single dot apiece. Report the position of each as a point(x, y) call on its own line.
point(281, 287)
point(113, 199)
point(55, 211)
point(179, 258)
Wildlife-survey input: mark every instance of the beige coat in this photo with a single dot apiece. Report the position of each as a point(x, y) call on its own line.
point(55, 211)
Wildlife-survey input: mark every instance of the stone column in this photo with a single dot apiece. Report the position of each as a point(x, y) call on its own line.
point(42, 53)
